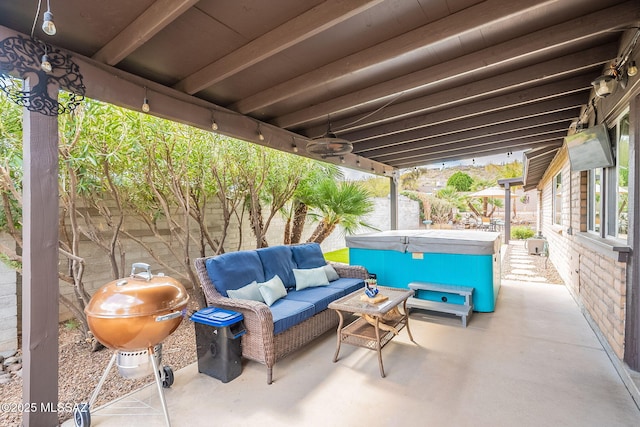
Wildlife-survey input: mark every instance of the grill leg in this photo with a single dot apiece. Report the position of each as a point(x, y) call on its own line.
point(156, 374)
point(94, 396)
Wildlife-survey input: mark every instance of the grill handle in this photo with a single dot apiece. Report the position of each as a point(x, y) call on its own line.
point(169, 316)
point(141, 265)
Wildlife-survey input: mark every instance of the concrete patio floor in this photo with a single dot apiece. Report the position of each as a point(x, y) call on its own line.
point(535, 361)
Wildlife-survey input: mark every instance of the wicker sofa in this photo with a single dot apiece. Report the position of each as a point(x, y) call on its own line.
point(293, 320)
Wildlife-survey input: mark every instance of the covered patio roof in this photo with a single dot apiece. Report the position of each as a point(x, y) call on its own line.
point(409, 83)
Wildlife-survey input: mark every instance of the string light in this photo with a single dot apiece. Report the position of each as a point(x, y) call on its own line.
point(145, 103)
point(214, 125)
point(260, 135)
point(47, 22)
point(45, 65)
point(342, 160)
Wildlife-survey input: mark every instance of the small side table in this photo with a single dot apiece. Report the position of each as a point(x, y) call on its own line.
point(363, 334)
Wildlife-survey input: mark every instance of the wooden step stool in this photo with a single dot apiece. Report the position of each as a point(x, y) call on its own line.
point(462, 310)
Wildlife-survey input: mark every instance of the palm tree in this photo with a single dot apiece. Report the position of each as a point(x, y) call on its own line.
point(343, 203)
point(305, 197)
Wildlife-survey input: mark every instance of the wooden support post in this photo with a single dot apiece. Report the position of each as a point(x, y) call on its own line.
point(40, 267)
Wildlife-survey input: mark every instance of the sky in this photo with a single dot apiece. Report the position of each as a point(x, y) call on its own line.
point(353, 175)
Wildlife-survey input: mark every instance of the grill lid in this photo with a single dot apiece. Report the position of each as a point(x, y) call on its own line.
point(141, 294)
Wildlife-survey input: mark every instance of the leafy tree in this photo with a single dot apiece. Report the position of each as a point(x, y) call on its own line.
point(377, 187)
point(460, 181)
point(409, 180)
point(440, 210)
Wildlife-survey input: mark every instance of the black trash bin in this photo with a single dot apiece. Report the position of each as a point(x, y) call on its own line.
point(218, 333)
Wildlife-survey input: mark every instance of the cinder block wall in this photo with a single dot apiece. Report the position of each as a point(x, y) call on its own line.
point(591, 271)
point(8, 305)
point(98, 268)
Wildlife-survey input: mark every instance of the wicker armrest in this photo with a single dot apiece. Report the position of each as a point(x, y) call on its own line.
point(250, 309)
point(352, 271)
point(260, 309)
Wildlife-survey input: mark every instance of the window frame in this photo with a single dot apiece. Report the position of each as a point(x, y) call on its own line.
point(556, 209)
point(606, 209)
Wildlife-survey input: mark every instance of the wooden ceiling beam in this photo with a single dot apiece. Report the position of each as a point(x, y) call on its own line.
point(318, 19)
point(568, 107)
point(526, 46)
point(560, 89)
point(506, 139)
point(456, 25)
point(559, 68)
point(479, 152)
point(479, 136)
point(148, 24)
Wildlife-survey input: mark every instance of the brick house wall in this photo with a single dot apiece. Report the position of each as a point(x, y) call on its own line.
point(591, 270)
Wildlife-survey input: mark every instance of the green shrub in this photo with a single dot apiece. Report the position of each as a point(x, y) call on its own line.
point(521, 232)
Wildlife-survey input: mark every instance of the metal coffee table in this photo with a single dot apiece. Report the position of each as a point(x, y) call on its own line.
point(360, 332)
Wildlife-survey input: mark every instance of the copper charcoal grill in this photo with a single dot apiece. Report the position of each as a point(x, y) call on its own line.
point(132, 316)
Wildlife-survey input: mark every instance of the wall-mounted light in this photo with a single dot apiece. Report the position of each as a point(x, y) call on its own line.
point(47, 22)
point(619, 71)
point(145, 102)
point(604, 85)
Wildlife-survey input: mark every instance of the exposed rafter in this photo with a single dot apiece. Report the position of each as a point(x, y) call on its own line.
point(455, 25)
point(152, 21)
point(518, 49)
point(320, 18)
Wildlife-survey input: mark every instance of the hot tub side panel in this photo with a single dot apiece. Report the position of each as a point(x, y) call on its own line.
point(398, 269)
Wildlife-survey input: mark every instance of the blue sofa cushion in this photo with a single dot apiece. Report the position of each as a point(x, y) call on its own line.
point(320, 297)
point(287, 313)
point(347, 285)
point(277, 260)
point(308, 255)
point(234, 270)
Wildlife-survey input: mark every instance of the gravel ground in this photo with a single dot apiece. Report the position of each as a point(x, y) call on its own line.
point(80, 370)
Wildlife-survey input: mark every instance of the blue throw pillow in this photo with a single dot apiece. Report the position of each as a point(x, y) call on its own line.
point(308, 255)
point(234, 270)
point(278, 261)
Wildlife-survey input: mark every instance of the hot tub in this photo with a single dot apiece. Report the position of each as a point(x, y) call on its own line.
point(449, 257)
